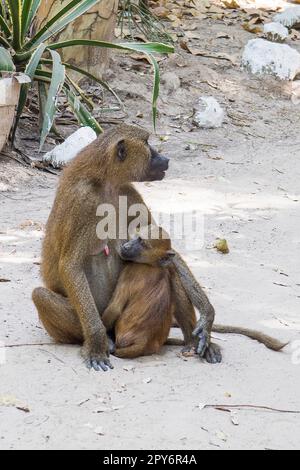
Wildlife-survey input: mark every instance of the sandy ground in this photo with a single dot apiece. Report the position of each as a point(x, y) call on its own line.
point(244, 178)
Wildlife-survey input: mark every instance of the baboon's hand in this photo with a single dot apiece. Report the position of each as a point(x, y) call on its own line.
point(97, 358)
point(205, 349)
point(203, 339)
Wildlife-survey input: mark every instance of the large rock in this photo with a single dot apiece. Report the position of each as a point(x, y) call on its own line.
point(263, 57)
point(290, 17)
point(275, 32)
point(64, 153)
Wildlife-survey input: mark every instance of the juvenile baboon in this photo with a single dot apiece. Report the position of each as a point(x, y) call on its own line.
point(142, 307)
point(141, 311)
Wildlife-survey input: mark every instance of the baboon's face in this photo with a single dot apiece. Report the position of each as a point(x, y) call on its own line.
point(158, 166)
point(135, 160)
point(144, 250)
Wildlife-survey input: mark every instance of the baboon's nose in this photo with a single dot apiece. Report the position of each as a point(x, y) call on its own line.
point(163, 163)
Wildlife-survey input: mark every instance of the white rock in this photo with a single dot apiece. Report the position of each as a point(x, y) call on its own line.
point(275, 32)
point(290, 17)
point(62, 154)
point(263, 57)
point(208, 113)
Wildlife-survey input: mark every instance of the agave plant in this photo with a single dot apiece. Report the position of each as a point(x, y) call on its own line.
point(137, 17)
point(35, 54)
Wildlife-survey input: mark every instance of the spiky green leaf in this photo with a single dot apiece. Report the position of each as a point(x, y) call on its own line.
point(83, 115)
point(30, 71)
point(66, 15)
point(6, 63)
point(4, 26)
point(57, 81)
point(30, 8)
point(15, 11)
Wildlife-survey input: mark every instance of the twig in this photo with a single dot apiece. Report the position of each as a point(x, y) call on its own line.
point(28, 345)
point(257, 407)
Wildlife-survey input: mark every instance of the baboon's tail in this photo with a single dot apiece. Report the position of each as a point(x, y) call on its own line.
point(268, 341)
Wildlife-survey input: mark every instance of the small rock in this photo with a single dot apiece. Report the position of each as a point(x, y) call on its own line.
point(208, 113)
point(290, 17)
point(62, 154)
point(171, 82)
point(275, 32)
point(234, 418)
point(147, 381)
point(262, 57)
point(99, 431)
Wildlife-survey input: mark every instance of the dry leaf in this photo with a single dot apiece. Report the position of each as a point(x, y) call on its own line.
point(9, 400)
point(222, 246)
point(231, 4)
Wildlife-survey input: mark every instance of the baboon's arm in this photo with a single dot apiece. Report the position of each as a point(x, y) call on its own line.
point(116, 306)
point(200, 300)
point(95, 350)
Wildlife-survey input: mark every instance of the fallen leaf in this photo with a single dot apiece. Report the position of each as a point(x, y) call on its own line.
point(222, 246)
point(11, 401)
point(231, 4)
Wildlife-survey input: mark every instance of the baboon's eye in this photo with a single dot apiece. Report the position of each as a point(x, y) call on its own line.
point(121, 148)
point(142, 242)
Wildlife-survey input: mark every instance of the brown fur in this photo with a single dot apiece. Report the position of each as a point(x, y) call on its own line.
point(69, 306)
point(142, 307)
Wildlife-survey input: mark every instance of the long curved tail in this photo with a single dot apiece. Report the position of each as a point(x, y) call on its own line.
point(268, 341)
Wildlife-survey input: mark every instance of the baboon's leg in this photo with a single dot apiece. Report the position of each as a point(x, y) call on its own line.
point(58, 317)
point(134, 350)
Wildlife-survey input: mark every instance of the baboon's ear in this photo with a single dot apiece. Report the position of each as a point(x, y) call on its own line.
point(121, 150)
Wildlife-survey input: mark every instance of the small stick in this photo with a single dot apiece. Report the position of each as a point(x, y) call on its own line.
point(257, 407)
point(27, 345)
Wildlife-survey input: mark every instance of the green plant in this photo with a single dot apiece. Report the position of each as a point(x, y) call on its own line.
point(137, 18)
point(36, 54)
